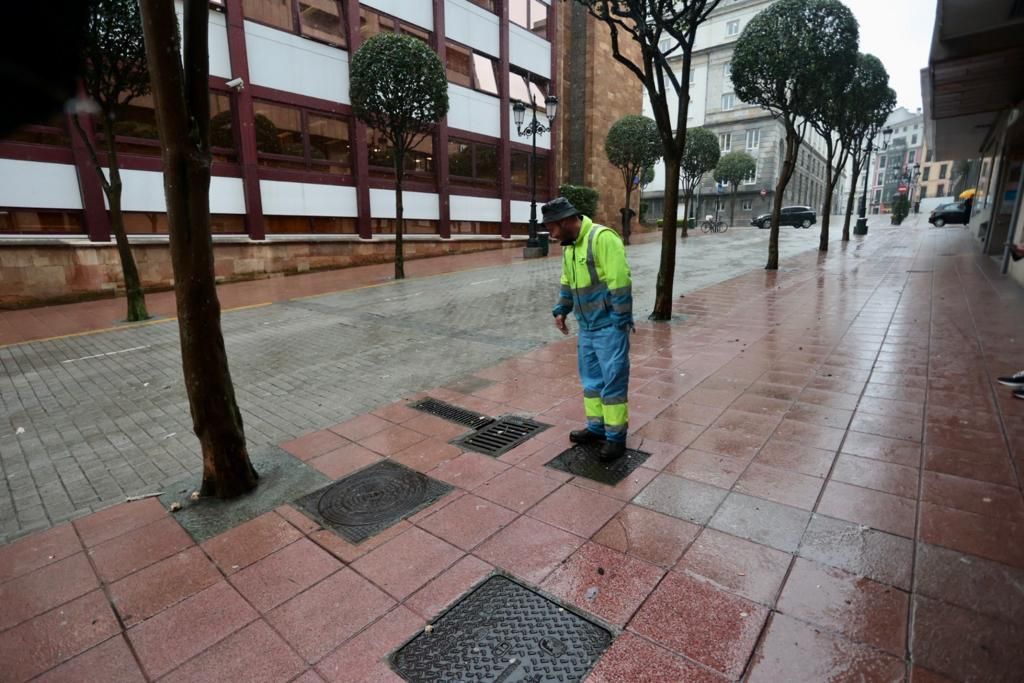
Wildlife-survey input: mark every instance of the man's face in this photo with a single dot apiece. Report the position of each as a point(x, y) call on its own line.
point(565, 229)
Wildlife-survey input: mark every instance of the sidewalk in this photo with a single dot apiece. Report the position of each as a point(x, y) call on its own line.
point(832, 493)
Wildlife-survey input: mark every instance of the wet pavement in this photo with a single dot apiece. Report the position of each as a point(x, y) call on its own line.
point(832, 494)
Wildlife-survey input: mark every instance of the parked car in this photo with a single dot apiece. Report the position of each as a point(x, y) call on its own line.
point(797, 216)
point(955, 213)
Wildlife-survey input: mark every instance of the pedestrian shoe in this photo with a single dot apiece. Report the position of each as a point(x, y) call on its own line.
point(613, 450)
point(585, 436)
point(1013, 380)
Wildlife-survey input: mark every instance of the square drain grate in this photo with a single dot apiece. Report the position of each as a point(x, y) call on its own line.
point(582, 461)
point(371, 500)
point(501, 436)
point(452, 413)
point(505, 632)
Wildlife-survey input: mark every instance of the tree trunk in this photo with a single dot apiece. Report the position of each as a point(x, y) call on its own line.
point(849, 204)
point(826, 210)
point(134, 297)
point(625, 216)
point(687, 198)
point(666, 271)
point(732, 207)
point(399, 228)
point(788, 165)
point(182, 112)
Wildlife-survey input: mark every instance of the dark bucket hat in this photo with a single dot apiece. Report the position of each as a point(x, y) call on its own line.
point(557, 209)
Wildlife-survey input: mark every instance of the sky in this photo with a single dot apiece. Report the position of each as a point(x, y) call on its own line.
point(899, 32)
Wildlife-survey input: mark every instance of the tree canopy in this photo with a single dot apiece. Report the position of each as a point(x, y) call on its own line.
point(734, 168)
point(115, 71)
point(633, 144)
point(700, 156)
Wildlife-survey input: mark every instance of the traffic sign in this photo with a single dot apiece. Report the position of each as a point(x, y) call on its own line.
point(902, 189)
point(764, 193)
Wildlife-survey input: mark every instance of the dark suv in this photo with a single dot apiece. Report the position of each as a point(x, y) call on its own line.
point(955, 213)
point(797, 216)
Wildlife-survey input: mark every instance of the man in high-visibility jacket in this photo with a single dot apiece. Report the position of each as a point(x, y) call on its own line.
point(596, 286)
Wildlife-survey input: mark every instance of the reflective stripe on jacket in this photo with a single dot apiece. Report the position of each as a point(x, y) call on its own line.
point(595, 279)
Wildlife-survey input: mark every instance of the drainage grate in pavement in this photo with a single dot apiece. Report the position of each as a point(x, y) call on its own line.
point(501, 436)
point(372, 499)
point(503, 632)
point(452, 413)
point(582, 461)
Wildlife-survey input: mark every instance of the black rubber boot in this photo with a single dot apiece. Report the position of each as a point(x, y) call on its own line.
point(582, 436)
point(612, 450)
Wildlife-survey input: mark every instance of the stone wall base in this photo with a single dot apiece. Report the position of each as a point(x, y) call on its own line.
point(36, 273)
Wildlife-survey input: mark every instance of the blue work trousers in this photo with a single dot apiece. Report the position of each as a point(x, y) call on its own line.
point(603, 357)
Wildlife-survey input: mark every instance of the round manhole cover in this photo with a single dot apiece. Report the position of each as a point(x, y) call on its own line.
point(376, 498)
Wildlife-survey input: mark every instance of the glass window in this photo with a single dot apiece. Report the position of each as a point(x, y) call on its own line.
point(459, 65)
point(222, 138)
point(273, 12)
point(941, 191)
point(517, 88)
point(485, 74)
point(520, 168)
point(728, 71)
point(930, 156)
point(942, 171)
point(881, 162)
point(725, 141)
point(486, 162)
point(135, 128)
point(51, 132)
point(40, 222)
point(752, 178)
point(329, 141)
point(733, 27)
point(753, 138)
point(912, 156)
point(542, 172)
point(538, 18)
point(371, 23)
point(322, 20)
point(519, 12)
point(460, 159)
point(926, 173)
point(728, 101)
point(419, 159)
point(486, 4)
point(279, 133)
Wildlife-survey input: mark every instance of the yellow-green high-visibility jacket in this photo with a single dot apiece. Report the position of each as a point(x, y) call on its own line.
point(595, 279)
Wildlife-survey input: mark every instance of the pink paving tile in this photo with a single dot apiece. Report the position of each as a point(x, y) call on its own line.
point(314, 444)
point(576, 510)
point(40, 591)
point(694, 413)
point(971, 582)
point(140, 548)
point(782, 486)
point(392, 440)
point(815, 436)
point(875, 447)
point(161, 585)
point(661, 453)
point(38, 550)
point(404, 564)
point(968, 464)
point(775, 391)
point(311, 676)
point(787, 455)
point(832, 399)
point(875, 509)
point(695, 619)
point(529, 548)
point(626, 489)
point(177, 634)
point(604, 582)
point(350, 552)
point(318, 620)
point(451, 585)
point(877, 474)
point(892, 426)
point(343, 461)
point(254, 654)
point(670, 431)
point(248, 542)
point(435, 427)
point(743, 567)
point(468, 470)
point(287, 572)
point(709, 468)
point(761, 405)
point(468, 521)
point(715, 398)
point(362, 659)
point(361, 428)
point(858, 608)
point(922, 675)
point(297, 519)
point(426, 455)
point(749, 423)
point(648, 535)
point(989, 537)
point(41, 643)
point(980, 497)
point(634, 660)
point(397, 412)
point(523, 450)
point(111, 660)
point(112, 522)
point(794, 651)
point(824, 416)
point(516, 489)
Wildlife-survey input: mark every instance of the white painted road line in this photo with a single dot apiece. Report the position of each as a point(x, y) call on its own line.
point(109, 353)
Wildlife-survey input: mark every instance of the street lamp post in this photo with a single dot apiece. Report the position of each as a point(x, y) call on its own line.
point(519, 114)
point(861, 228)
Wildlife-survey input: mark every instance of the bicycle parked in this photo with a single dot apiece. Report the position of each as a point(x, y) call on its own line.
point(713, 225)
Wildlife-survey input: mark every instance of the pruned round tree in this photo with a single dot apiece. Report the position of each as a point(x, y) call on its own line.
point(781, 61)
point(699, 157)
point(114, 73)
point(632, 145)
point(398, 87)
point(733, 169)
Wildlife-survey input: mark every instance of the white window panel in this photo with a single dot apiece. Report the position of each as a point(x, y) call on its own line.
point(728, 102)
point(725, 141)
point(733, 28)
point(754, 138)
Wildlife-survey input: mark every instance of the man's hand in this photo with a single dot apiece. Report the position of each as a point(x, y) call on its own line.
point(560, 324)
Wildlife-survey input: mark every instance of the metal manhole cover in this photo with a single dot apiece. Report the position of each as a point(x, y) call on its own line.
point(452, 413)
point(503, 632)
point(582, 461)
point(501, 436)
point(372, 499)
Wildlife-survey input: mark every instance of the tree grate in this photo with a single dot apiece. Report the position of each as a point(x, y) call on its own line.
point(502, 436)
point(503, 632)
point(455, 414)
point(581, 460)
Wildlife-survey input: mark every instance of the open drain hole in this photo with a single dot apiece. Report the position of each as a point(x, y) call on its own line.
point(581, 460)
point(369, 501)
point(501, 436)
point(452, 413)
point(503, 631)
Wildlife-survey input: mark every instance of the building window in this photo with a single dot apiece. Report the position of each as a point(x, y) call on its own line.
point(520, 170)
point(924, 192)
point(725, 141)
point(419, 161)
point(881, 162)
point(878, 196)
point(930, 156)
point(40, 222)
point(752, 178)
point(911, 156)
point(881, 179)
point(294, 138)
point(913, 139)
point(486, 4)
point(530, 14)
point(536, 94)
point(942, 171)
point(732, 28)
point(728, 101)
point(727, 71)
point(472, 162)
point(747, 205)
point(53, 132)
point(754, 138)
point(940, 190)
point(371, 23)
point(136, 133)
point(470, 70)
point(320, 20)
point(692, 76)
point(926, 173)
